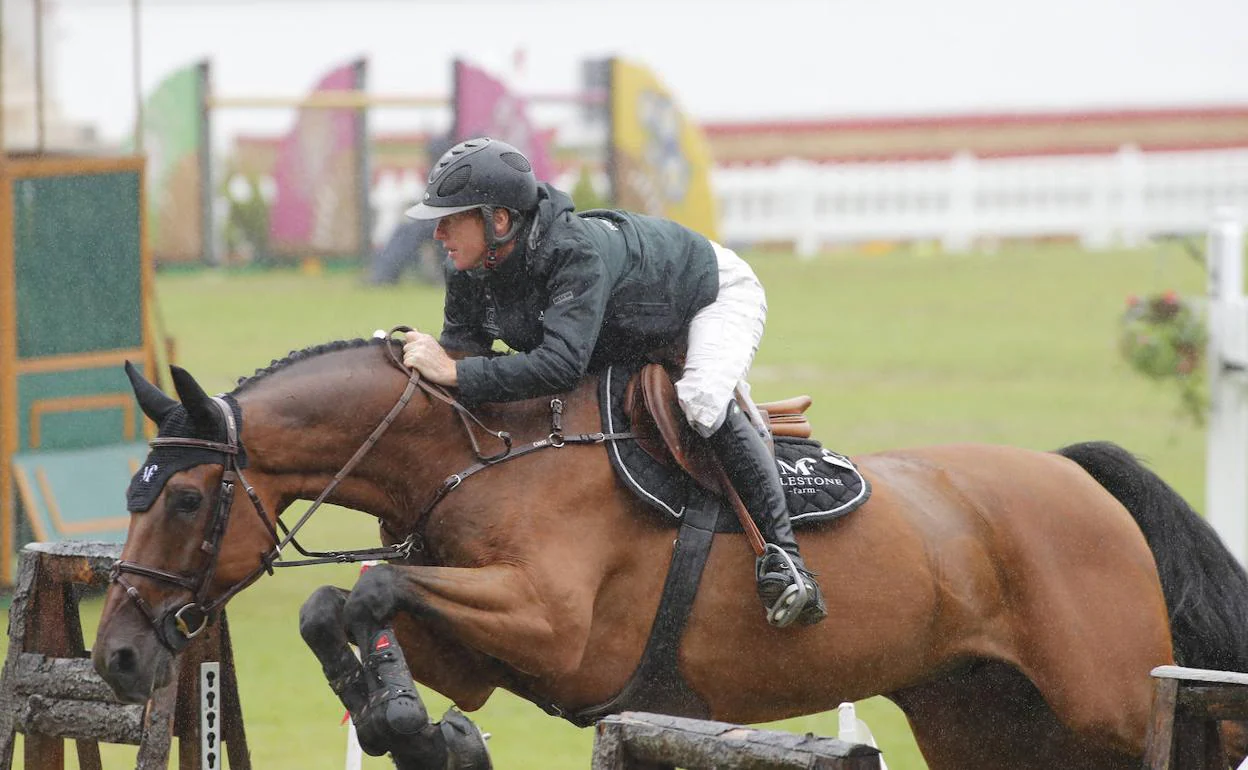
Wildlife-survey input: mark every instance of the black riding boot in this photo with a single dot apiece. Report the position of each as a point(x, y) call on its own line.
point(752, 471)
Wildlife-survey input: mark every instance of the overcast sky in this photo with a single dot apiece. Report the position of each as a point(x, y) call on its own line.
point(722, 59)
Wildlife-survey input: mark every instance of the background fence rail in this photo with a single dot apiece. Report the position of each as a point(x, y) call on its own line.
point(1102, 200)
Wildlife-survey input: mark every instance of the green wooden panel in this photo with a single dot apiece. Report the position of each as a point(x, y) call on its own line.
point(79, 494)
point(77, 429)
point(78, 260)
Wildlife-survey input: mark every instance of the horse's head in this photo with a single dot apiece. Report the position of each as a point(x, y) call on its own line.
point(175, 571)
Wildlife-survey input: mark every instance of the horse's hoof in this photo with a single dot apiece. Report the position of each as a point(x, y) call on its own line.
point(370, 732)
point(465, 743)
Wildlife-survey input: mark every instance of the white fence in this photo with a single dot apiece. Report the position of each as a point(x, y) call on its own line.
point(1226, 458)
point(1123, 198)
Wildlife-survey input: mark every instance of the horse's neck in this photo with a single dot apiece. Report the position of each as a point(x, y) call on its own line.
point(300, 430)
point(300, 443)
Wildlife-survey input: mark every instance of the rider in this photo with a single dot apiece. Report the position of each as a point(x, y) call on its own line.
point(571, 292)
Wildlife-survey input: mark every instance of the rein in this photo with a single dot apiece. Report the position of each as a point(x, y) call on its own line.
point(175, 628)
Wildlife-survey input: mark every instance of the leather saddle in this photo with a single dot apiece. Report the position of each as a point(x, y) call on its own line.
point(663, 433)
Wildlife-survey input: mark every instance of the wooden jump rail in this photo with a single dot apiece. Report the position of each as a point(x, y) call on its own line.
point(49, 691)
point(1188, 703)
point(637, 741)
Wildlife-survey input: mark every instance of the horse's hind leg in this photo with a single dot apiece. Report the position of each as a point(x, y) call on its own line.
point(406, 732)
point(989, 716)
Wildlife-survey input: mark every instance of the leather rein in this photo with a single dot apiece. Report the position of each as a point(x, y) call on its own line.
point(175, 628)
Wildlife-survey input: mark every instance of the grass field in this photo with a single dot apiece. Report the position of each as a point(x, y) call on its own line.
point(1016, 347)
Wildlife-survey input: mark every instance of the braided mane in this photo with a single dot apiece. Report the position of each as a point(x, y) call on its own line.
point(296, 356)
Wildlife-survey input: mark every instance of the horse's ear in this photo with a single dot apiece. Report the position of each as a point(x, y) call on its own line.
point(152, 400)
point(198, 404)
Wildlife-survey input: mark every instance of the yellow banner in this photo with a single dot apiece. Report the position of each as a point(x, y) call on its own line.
point(662, 163)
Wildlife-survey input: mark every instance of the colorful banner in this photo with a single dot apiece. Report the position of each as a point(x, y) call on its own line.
point(315, 208)
point(660, 162)
point(171, 141)
point(484, 107)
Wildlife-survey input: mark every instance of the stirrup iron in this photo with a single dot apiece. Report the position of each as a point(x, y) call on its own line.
point(788, 607)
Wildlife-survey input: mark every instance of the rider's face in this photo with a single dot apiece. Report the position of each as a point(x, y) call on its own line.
point(463, 238)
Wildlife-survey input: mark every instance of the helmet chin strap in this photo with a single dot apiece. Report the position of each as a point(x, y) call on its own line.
point(492, 241)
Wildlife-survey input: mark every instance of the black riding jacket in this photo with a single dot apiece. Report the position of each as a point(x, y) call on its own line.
point(577, 292)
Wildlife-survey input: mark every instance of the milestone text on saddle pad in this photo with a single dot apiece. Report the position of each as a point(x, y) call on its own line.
point(818, 483)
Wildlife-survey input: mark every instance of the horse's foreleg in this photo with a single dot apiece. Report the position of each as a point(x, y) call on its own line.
point(496, 610)
point(387, 718)
point(379, 730)
point(322, 629)
point(442, 663)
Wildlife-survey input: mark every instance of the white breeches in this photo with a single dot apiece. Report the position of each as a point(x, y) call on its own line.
point(723, 338)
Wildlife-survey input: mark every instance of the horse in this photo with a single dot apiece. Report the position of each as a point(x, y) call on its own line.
point(1011, 602)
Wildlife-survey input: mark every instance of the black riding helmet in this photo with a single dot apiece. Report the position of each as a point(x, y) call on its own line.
point(481, 173)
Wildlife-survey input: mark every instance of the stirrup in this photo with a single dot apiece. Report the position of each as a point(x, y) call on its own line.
point(789, 605)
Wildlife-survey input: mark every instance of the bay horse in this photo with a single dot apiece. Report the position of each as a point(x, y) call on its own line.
point(1011, 602)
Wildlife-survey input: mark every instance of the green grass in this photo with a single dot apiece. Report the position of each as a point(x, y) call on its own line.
point(899, 350)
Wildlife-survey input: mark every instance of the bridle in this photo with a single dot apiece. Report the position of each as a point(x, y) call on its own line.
point(176, 628)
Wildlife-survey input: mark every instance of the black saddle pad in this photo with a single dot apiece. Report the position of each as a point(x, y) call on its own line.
point(819, 484)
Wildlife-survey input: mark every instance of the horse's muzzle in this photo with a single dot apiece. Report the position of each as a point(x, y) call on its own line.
point(133, 671)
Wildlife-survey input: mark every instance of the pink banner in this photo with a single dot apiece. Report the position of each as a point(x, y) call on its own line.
point(314, 208)
point(484, 107)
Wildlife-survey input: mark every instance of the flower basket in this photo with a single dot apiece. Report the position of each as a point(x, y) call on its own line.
point(1164, 338)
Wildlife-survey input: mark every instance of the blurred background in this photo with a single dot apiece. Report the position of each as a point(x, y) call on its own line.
point(808, 125)
point(959, 210)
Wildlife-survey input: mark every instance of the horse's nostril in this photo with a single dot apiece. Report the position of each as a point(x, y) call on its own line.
point(123, 661)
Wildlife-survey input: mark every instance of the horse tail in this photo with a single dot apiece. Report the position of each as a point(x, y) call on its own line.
point(1206, 589)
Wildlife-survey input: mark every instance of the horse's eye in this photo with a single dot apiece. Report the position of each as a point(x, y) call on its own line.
point(184, 501)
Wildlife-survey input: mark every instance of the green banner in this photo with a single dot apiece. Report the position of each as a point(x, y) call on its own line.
point(171, 141)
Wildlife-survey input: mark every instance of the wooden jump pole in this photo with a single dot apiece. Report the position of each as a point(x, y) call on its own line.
point(641, 741)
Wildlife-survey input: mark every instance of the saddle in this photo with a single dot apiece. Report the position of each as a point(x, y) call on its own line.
point(663, 433)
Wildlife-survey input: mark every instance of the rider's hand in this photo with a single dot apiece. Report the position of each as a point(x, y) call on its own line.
point(423, 353)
